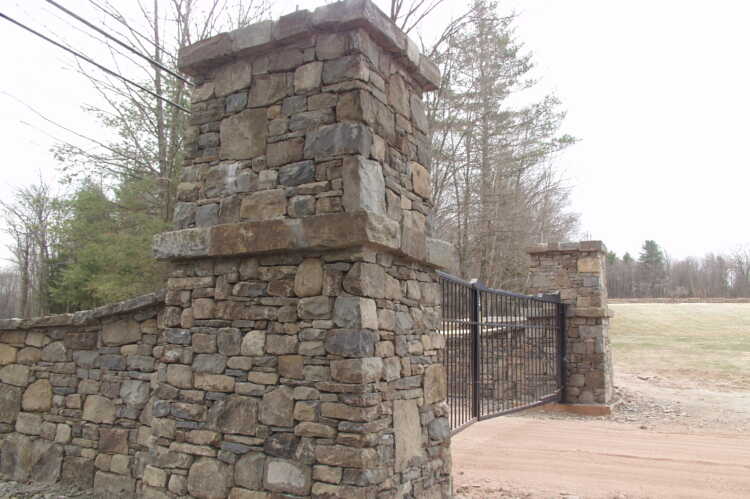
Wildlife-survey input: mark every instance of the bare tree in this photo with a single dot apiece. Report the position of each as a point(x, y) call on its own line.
point(32, 220)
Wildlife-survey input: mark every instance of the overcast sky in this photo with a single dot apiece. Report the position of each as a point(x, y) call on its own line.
point(658, 92)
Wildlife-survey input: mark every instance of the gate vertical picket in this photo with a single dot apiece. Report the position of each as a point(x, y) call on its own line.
point(499, 356)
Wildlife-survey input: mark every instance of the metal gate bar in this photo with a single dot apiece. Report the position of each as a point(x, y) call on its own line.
point(504, 351)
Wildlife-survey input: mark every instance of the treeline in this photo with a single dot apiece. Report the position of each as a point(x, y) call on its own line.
point(655, 275)
point(495, 186)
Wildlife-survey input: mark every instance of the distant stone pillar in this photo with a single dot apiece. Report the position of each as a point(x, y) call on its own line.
point(301, 354)
point(577, 271)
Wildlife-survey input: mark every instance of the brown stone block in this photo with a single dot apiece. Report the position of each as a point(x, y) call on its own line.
point(253, 237)
point(80, 341)
point(291, 366)
point(236, 415)
point(414, 235)
point(10, 403)
point(243, 135)
point(269, 89)
point(330, 491)
point(339, 455)
point(347, 412)
point(113, 441)
point(408, 434)
point(435, 385)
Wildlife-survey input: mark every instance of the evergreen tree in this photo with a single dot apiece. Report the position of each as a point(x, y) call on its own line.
point(105, 252)
point(652, 270)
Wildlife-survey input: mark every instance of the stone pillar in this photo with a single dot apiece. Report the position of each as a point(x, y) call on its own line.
point(301, 355)
point(577, 271)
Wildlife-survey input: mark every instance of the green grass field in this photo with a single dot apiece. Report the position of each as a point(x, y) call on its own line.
point(704, 343)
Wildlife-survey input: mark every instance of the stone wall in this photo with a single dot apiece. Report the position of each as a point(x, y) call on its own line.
point(296, 352)
point(577, 271)
point(76, 393)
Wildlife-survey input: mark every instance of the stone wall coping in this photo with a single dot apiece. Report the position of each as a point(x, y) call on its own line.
point(84, 317)
point(568, 247)
point(265, 36)
point(315, 233)
point(592, 312)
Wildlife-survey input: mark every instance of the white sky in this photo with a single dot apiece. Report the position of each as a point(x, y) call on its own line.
point(657, 91)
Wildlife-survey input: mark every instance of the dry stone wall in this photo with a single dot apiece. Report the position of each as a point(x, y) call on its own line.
point(577, 271)
point(296, 352)
point(76, 393)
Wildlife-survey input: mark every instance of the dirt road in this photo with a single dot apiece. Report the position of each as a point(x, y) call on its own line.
point(536, 457)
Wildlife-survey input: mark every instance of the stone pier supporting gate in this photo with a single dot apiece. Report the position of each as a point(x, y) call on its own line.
point(301, 353)
point(577, 271)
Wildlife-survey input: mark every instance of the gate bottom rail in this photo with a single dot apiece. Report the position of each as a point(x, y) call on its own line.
point(504, 351)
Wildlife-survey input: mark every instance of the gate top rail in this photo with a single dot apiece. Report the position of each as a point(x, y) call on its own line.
point(481, 287)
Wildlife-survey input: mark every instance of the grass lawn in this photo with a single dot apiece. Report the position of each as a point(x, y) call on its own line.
point(703, 343)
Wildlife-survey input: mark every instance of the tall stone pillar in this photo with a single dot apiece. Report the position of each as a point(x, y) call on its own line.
point(578, 272)
point(301, 355)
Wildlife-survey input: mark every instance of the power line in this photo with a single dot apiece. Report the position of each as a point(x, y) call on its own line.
point(92, 62)
point(120, 43)
point(113, 50)
point(120, 20)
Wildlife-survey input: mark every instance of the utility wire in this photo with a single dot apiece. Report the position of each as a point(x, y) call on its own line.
point(120, 43)
point(120, 20)
point(92, 62)
point(113, 50)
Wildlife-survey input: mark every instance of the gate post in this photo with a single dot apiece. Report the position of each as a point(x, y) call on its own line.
point(302, 251)
point(577, 271)
point(476, 338)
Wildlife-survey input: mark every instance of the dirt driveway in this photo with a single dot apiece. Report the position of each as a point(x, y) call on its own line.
point(531, 457)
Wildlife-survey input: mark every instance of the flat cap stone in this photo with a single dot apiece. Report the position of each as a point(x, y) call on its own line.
point(266, 36)
point(320, 232)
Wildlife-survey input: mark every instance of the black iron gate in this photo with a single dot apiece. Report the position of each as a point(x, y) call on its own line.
point(504, 351)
